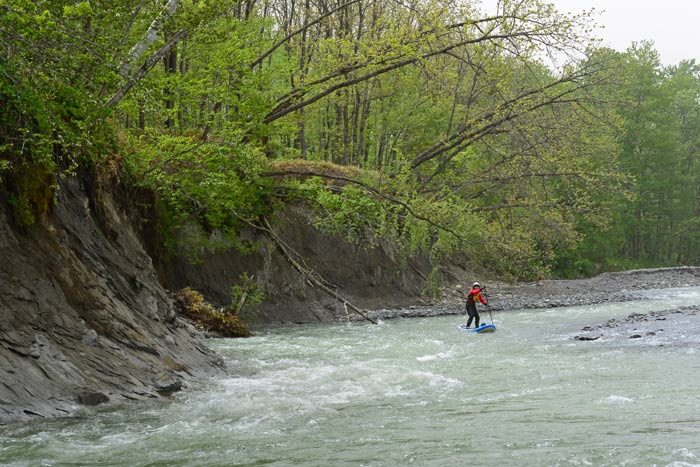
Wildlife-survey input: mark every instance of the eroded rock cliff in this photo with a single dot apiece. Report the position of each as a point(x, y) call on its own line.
point(83, 318)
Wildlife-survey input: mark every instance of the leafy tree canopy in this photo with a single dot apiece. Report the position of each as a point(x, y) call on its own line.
point(432, 123)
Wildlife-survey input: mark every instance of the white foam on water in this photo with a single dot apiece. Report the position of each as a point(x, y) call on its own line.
point(685, 452)
point(437, 380)
point(438, 356)
point(614, 399)
point(251, 422)
point(409, 390)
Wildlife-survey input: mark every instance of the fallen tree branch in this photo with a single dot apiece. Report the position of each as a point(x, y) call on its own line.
point(312, 277)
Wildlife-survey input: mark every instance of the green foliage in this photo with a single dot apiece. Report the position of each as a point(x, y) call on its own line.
point(434, 283)
point(659, 142)
point(51, 120)
point(207, 186)
point(27, 167)
point(4, 165)
point(468, 143)
point(245, 293)
point(364, 215)
point(352, 214)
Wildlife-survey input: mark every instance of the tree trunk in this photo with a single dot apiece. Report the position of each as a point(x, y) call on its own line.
point(170, 66)
point(149, 38)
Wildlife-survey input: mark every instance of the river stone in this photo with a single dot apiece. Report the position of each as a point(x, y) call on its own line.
point(168, 386)
point(92, 398)
point(90, 337)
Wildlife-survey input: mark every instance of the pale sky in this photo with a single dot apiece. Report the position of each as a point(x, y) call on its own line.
point(673, 25)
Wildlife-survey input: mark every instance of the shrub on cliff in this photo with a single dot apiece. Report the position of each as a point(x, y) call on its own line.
point(221, 323)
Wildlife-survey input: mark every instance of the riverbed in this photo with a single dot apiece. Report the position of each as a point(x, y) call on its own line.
point(416, 392)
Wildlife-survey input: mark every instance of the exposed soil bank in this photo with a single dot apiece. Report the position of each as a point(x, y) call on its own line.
point(368, 276)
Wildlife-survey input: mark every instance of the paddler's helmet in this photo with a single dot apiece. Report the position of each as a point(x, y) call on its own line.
point(476, 284)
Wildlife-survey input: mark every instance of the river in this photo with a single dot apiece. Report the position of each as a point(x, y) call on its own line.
point(413, 392)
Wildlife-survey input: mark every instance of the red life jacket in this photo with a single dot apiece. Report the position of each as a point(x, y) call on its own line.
point(474, 295)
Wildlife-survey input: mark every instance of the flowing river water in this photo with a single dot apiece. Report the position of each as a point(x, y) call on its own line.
point(414, 392)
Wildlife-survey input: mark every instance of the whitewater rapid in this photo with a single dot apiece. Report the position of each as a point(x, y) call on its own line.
point(412, 392)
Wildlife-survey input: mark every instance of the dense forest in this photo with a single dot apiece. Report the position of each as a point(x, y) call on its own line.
point(511, 138)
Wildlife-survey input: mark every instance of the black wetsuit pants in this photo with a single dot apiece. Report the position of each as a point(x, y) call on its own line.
point(473, 314)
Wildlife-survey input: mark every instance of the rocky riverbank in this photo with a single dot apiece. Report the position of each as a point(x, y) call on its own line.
point(679, 326)
point(608, 287)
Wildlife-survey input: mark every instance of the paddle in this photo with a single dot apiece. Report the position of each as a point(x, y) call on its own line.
point(488, 303)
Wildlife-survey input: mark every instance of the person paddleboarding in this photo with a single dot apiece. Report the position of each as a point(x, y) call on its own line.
point(474, 295)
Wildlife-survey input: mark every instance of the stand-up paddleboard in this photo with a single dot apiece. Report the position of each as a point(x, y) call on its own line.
point(489, 327)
